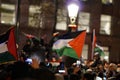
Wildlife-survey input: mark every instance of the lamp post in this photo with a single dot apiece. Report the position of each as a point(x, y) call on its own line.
point(73, 9)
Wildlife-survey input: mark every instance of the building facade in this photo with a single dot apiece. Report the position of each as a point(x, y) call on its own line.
point(45, 17)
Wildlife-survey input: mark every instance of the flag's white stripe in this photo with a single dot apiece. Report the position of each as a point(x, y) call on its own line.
point(61, 43)
point(3, 47)
point(99, 47)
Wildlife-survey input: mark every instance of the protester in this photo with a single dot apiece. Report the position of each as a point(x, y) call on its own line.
point(27, 47)
point(41, 68)
point(96, 60)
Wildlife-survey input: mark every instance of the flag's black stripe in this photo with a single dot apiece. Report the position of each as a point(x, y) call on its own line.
point(70, 35)
point(4, 37)
point(6, 57)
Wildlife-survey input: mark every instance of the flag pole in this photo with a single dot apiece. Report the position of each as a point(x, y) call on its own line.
point(93, 43)
point(17, 20)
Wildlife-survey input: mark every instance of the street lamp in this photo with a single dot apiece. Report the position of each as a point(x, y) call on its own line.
point(73, 9)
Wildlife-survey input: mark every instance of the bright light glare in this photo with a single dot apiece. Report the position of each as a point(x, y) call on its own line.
point(106, 57)
point(73, 10)
point(107, 28)
point(2, 21)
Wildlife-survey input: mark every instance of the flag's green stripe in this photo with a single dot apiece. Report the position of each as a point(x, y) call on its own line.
point(97, 49)
point(59, 51)
point(68, 51)
point(5, 57)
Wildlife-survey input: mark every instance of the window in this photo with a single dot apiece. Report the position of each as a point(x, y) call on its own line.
point(107, 1)
point(8, 14)
point(61, 20)
point(105, 24)
point(40, 15)
point(85, 52)
point(34, 16)
point(106, 53)
point(84, 19)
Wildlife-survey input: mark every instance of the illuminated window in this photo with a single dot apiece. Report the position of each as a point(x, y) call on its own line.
point(85, 52)
point(8, 14)
point(105, 24)
point(40, 15)
point(34, 16)
point(84, 19)
point(61, 20)
point(107, 1)
point(106, 53)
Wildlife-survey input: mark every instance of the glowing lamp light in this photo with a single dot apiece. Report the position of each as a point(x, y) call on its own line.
point(72, 13)
point(73, 10)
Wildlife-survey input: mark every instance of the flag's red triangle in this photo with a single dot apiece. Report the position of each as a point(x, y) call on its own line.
point(93, 43)
point(12, 44)
point(94, 40)
point(78, 42)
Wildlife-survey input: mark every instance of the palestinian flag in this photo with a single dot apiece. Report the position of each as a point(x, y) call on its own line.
point(70, 44)
point(99, 50)
point(8, 47)
point(94, 38)
point(93, 43)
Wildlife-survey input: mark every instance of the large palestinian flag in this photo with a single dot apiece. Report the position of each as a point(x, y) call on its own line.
point(7, 47)
point(70, 44)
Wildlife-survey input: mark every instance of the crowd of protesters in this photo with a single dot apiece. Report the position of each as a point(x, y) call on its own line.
point(42, 68)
